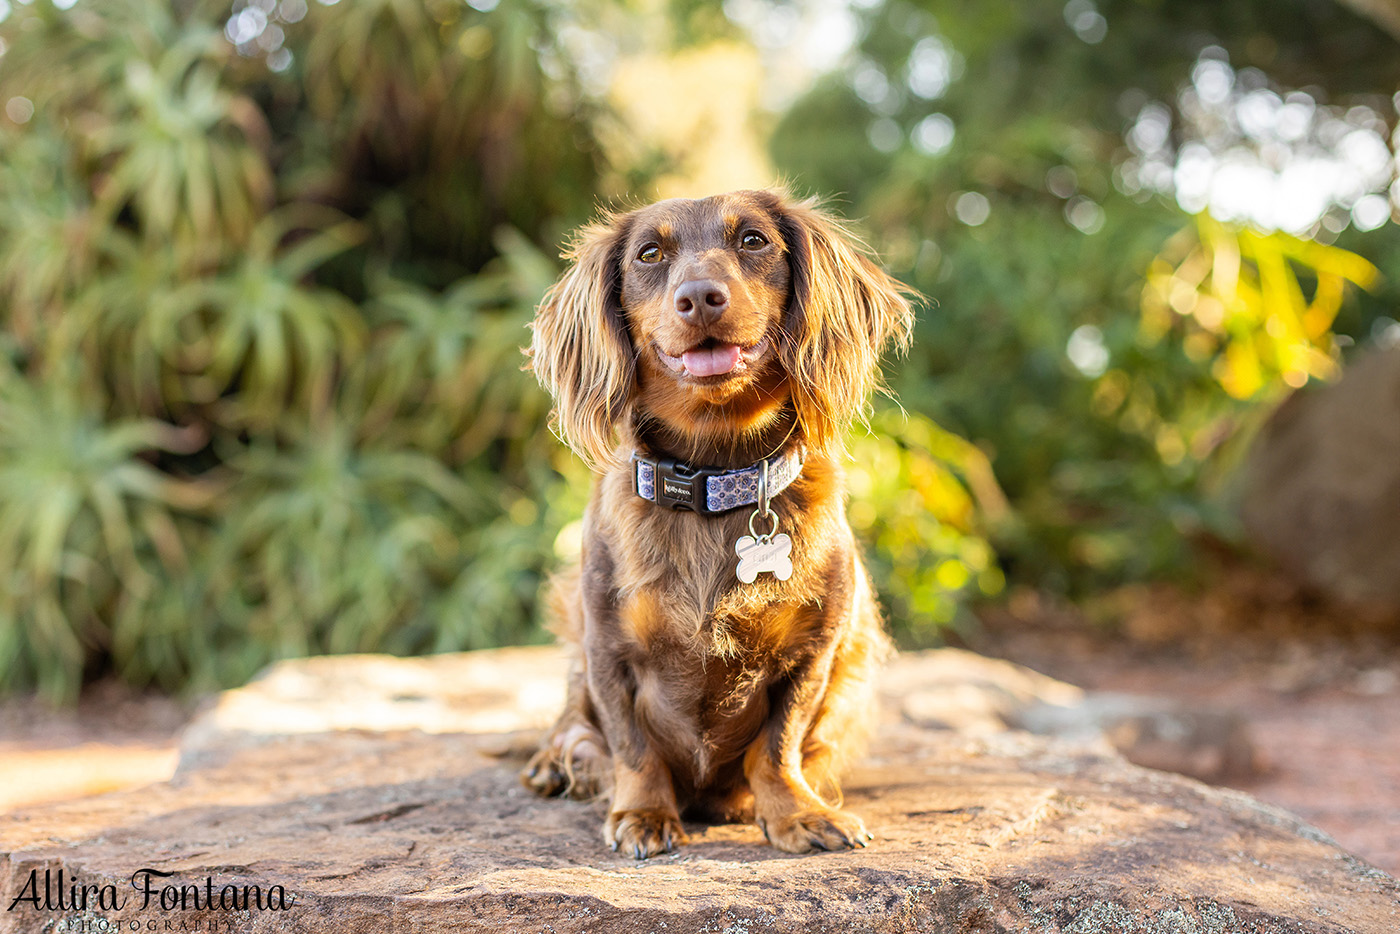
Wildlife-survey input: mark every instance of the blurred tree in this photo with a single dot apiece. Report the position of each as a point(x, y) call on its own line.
point(266, 265)
point(1030, 165)
point(265, 269)
point(1386, 13)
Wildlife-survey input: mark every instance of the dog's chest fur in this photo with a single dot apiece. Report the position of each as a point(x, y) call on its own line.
point(704, 648)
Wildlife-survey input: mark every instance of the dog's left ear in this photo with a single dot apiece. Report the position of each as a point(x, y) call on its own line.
point(844, 312)
point(581, 351)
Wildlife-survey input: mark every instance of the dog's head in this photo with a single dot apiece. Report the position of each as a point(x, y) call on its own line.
point(712, 317)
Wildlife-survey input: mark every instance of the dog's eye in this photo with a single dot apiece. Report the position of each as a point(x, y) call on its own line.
point(753, 240)
point(651, 253)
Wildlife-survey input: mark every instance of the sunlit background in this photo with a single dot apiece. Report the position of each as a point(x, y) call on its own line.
point(266, 267)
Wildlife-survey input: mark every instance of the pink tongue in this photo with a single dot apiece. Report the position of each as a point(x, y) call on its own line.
point(711, 361)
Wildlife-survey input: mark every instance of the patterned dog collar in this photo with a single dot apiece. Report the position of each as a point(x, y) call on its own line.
point(707, 490)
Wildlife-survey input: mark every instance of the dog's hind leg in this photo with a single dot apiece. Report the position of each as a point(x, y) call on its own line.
point(573, 759)
point(849, 709)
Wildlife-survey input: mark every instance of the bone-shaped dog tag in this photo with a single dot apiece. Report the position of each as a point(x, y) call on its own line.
point(769, 553)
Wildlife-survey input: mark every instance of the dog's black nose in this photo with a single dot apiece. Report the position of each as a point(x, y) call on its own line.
point(702, 301)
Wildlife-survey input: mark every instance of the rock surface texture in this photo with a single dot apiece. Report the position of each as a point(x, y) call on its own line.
point(402, 812)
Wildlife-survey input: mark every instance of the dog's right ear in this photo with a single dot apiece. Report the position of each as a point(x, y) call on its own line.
point(581, 351)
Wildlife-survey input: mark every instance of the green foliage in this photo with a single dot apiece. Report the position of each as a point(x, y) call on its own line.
point(266, 268)
point(985, 146)
point(85, 523)
point(1238, 295)
point(923, 500)
point(264, 307)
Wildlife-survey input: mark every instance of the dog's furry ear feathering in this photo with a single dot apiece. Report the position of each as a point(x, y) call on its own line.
point(843, 314)
point(580, 350)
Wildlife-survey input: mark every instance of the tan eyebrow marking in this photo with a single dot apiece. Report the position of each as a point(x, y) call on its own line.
point(665, 231)
point(731, 225)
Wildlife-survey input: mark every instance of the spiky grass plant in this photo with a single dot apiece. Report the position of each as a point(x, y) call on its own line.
point(265, 269)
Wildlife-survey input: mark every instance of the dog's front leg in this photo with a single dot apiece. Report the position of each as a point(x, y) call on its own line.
point(791, 814)
point(643, 819)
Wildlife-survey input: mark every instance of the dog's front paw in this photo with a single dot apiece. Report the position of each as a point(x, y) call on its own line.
point(643, 832)
point(815, 829)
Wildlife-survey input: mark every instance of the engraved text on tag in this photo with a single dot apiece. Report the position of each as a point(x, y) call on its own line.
point(757, 555)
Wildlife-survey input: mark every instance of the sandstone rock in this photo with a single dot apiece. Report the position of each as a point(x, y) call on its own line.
point(491, 691)
point(1322, 484)
point(962, 691)
point(373, 823)
point(1203, 742)
point(504, 690)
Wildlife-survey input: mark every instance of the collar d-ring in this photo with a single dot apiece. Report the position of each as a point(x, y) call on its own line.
point(763, 488)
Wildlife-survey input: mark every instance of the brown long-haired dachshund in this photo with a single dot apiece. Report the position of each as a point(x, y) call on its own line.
point(706, 357)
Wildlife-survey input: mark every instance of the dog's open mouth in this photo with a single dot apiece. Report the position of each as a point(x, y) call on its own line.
point(713, 357)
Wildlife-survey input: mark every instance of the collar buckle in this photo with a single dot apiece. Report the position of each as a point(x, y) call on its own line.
point(672, 484)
